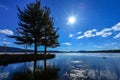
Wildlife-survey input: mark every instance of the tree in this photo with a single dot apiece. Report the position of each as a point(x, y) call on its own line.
point(29, 31)
point(36, 27)
point(50, 36)
point(4, 47)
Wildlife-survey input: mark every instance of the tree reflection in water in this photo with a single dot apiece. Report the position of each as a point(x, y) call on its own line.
point(39, 73)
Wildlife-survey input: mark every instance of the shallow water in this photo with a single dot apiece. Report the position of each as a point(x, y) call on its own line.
point(73, 66)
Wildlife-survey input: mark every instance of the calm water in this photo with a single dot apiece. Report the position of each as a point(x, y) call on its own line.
point(70, 66)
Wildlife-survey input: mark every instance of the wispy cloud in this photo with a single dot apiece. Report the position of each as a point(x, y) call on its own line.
point(5, 42)
point(6, 31)
point(67, 43)
point(4, 39)
point(105, 32)
point(79, 32)
point(79, 37)
point(107, 45)
point(4, 7)
point(71, 35)
point(117, 36)
point(116, 27)
point(90, 33)
point(98, 46)
point(87, 34)
point(113, 43)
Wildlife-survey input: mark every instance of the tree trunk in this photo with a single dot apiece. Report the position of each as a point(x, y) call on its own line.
point(45, 65)
point(25, 48)
point(45, 50)
point(4, 48)
point(35, 50)
point(35, 65)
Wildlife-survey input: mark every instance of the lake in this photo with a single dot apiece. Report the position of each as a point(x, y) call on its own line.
point(66, 66)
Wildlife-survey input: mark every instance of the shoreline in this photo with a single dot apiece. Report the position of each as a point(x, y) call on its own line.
point(6, 59)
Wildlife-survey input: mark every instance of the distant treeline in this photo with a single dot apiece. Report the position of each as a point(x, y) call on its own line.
point(102, 51)
point(12, 49)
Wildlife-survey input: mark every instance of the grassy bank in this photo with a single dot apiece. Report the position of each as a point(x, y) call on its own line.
point(15, 58)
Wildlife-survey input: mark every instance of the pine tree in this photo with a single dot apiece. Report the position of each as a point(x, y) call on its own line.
point(50, 36)
point(36, 27)
point(30, 25)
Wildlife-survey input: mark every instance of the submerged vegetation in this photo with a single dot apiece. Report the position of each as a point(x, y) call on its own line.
point(38, 73)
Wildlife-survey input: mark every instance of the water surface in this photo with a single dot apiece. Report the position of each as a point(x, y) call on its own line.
point(73, 66)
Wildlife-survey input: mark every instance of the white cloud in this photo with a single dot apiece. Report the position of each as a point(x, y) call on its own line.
point(87, 34)
point(116, 27)
point(79, 37)
point(71, 35)
point(78, 32)
point(4, 75)
point(99, 46)
point(105, 32)
point(106, 45)
point(6, 31)
point(4, 39)
point(114, 43)
point(67, 43)
point(5, 42)
point(4, 7)
point(90, 33)
point(117, 36)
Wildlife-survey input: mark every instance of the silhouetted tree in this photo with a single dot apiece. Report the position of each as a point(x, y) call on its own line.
point(30, 24)
point(4, 48)
point(36, 27)
point(50, 36)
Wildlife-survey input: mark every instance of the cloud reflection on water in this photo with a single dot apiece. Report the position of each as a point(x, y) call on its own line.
point(79, 70)
point(4, 75)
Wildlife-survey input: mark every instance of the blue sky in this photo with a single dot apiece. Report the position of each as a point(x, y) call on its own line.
point(96, 26)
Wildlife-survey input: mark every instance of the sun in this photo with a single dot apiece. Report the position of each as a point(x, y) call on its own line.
point(71, 20)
